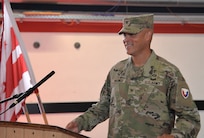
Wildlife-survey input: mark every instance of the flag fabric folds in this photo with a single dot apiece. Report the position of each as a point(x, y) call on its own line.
point(14, 75)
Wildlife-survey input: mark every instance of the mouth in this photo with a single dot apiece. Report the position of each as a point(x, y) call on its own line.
point(128, 45)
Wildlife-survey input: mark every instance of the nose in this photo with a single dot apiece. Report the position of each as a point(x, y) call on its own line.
point(125, 40)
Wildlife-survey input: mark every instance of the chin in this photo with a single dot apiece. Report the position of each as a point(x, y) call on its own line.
point(128, 53)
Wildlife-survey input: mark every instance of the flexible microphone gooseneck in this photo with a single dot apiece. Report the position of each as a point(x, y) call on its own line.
point(29, 91)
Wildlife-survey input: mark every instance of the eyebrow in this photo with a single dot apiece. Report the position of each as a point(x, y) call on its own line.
point(128, 34)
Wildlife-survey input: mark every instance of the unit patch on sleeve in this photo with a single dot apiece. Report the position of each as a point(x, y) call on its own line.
point(185, 93)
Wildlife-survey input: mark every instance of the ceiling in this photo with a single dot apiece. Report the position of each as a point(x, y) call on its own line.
point(191, 11)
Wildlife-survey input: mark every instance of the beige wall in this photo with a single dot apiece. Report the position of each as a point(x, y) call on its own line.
point(80, 73)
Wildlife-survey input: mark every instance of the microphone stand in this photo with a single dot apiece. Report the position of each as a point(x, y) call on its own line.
point(29, 91)
point(12, 97)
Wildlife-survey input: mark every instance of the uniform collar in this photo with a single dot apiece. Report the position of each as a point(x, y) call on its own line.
point(149, 64)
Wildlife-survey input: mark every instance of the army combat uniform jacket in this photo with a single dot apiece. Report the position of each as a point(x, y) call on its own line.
point(142, 102)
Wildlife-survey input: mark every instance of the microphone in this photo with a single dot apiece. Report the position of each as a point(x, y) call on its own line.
point(29, 91)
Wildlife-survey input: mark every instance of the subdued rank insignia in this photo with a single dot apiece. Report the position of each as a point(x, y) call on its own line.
point(185, 93)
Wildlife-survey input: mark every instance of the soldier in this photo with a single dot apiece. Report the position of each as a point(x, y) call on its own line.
point(144, 96)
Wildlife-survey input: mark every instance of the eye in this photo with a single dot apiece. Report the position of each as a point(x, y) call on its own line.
point(132, 35)
point(127, 34)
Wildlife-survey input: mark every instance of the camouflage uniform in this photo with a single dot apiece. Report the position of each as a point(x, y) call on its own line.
point(141, 102)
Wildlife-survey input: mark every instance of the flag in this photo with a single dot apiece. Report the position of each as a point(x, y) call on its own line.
point(14, 74)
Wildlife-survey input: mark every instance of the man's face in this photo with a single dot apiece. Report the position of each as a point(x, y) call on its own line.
point(135, 44)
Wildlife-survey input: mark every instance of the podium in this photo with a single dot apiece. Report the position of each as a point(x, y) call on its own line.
point(29, 130)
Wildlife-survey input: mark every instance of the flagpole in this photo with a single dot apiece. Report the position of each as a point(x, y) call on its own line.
point(30, 70)
point(25, 110)
point(41, 108)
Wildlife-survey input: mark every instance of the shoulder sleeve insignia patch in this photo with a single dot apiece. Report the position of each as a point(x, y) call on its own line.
point(185, 93)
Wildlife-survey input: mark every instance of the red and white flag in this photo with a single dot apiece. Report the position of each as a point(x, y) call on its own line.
point(14, 75)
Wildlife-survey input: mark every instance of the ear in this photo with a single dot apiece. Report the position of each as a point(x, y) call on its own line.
point(149, 34)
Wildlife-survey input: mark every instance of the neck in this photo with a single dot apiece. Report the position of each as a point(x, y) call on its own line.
point(141, 59)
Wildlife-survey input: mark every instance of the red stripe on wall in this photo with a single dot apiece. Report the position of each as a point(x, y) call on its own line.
point(179, 28)
point(103, 27)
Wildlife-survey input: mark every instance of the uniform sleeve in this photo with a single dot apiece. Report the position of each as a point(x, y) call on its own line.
point(98, 113)
point(187, 123)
